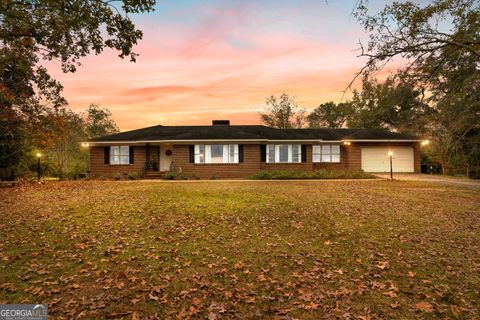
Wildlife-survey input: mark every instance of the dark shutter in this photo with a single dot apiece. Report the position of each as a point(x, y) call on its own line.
point(240, 153)
point(263, 153)
point(131, 154)
point(106, 155)
point(304, 153)
point(192, 153)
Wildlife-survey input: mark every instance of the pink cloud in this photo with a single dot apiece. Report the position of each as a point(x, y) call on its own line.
point(222, 66)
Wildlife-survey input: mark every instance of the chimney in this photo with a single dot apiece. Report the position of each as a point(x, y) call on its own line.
point(220, 122)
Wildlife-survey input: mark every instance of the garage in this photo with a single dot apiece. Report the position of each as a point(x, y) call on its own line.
point(376, 159)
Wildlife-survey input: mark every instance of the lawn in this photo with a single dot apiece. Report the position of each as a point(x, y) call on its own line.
point(244, 250)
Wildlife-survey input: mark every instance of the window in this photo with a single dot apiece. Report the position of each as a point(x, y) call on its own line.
point(326, 153)
point(284, 153)
point(199, 153)
point(216, 153)
point(119, 155)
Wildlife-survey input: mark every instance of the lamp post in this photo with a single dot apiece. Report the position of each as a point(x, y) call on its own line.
point(390, 155)
point(85, 145)
point(39, 168)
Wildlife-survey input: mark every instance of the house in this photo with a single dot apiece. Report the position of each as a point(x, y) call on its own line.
point(237, 151)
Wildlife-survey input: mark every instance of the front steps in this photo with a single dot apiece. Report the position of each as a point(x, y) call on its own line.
point(154, 174)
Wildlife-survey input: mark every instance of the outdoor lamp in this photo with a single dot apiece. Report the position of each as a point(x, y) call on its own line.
point(39, 155)
point(390, 155)
point(425, 142)
point(347, 143)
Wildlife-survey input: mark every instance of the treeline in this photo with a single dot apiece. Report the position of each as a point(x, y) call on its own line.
point(55, 135)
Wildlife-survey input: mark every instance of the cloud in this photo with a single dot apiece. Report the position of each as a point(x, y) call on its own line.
point(220, 60)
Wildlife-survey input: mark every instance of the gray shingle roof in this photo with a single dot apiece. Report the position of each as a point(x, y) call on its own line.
point(250, 132)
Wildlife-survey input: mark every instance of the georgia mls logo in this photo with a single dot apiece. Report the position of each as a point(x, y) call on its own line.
point(39, 311)
point(23, 312)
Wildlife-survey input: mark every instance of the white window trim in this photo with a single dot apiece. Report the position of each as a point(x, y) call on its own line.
point(317, 151)
point(277, 153)
point(119, 156)
point(208, 154)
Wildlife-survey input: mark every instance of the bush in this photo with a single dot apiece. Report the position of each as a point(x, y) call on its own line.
point(170, 176)
point(176, 176)
point(317, 174)
point(132, 176)
point(117, 176)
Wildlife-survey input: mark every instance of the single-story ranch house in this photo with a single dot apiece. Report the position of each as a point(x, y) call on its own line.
point(237, 151)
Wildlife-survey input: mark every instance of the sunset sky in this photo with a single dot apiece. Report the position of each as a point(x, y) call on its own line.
point(204, 60)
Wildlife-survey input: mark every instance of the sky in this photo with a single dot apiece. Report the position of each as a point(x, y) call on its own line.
point(204, 60)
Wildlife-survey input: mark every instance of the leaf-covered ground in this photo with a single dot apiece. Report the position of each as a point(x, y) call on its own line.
point(244, 250)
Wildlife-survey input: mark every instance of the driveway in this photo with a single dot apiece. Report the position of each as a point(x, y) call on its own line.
point(431, 178)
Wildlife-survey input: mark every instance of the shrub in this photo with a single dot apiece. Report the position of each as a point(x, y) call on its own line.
point(117, 176)
point(170, 176)
point(214, 176)
point(317, 174)
point(183, 176)
point(132, 176)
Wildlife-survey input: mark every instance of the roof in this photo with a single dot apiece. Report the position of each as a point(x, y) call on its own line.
point(248, 132)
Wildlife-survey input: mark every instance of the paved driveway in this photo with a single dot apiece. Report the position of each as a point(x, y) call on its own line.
point(431, 178)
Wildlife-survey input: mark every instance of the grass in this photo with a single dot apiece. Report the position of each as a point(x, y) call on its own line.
point(247, 249)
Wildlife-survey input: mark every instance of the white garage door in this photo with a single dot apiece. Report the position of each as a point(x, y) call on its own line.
point(376, 159)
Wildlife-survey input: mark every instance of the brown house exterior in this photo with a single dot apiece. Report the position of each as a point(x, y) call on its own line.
point(229, 151)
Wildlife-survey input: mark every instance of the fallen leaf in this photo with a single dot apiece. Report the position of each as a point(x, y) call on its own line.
point(152, 297)
point(424, 306)
point(382, 265)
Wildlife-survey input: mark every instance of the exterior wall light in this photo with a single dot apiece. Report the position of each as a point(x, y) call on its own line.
point(425, 142)
point(85, 144)
point(347, 143)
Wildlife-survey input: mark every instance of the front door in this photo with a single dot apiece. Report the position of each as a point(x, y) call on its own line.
point(166, 157)
point(153, 158)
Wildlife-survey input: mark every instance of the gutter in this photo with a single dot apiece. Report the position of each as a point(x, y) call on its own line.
point(251, 141)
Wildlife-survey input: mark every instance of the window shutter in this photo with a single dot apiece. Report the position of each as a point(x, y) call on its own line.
point(240, 153)
point(192, 153)
point(106, 155)
point(263, 153)
point(131, 154)
point(304, 153)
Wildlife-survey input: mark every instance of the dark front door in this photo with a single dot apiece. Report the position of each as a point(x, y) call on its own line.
point(153, 157)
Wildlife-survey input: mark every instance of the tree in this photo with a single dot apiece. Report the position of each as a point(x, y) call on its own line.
point(13, 146)
point(34, 31)
point(417, 33)
point(60, 138)
point(392, 105)
point(98, 122)
point(283, 112)
point(62, 30)
point(330, 115)
point(455, 128)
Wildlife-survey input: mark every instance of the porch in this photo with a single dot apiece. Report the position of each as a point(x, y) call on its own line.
point(158, 160)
